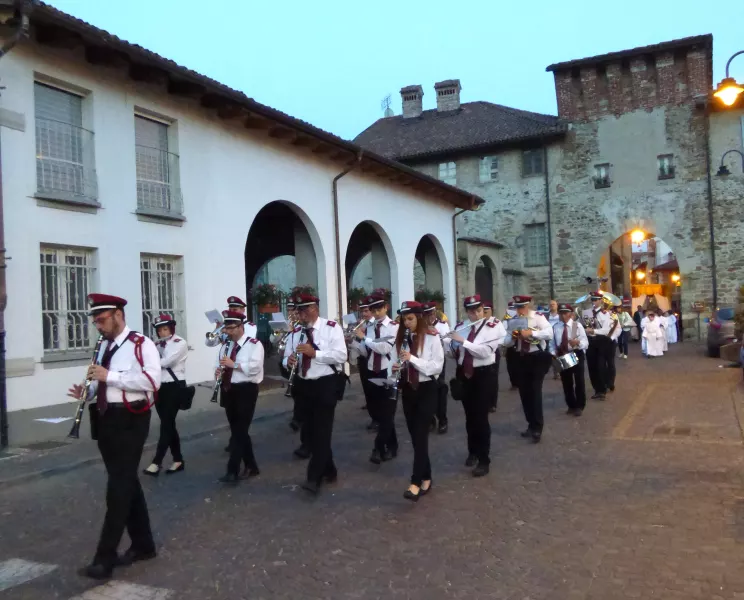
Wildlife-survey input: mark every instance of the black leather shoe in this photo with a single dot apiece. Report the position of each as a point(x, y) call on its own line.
point(373, 426)
point(536, 437)
point(294, 425)
point(427, 490)
point(481, 470)
point(96, 571)
point(409, 495)
point(597, 396)
point(302, 452)
point(250, 472)
point(375, 457)
point(526, 433)
point(227, 448)
point(132, 556)
point(230, 478)
point(443, 427)
point(151, 473)
point(311, 486)
point(471, 461)
point(178, 469)
point(570, 411)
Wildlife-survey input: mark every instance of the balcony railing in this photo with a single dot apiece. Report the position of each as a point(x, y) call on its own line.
point(157, 182)
point(65, 163)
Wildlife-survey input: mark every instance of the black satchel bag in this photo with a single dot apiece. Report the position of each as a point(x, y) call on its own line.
point(186, 392)
point(456, 389)
point(341, 380)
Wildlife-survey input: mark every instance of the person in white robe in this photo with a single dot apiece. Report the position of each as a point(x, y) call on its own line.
point(644, 322)
point(661, 320)
point(671, 329)
point(653, 335)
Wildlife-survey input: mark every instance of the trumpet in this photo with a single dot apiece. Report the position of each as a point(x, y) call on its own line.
point(293, 371)
point(218, 379)
point(75, 431)
point(279, 337)
point(214, 336)
point(350, 333)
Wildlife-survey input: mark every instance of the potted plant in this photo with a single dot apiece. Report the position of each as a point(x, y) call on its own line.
point(427, 295)
point(354, 296)
point(267, 296)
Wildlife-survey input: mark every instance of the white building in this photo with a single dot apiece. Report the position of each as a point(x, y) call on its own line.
point(125, 173)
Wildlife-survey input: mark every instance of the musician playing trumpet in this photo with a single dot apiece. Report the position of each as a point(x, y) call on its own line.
point(529, 335)
point(475, 352)
point(569, 336)
point(419, 366)
point(237, 305)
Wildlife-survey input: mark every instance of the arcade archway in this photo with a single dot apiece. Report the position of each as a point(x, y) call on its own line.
point(367, 263)
point(485, 278)
point(428, 274)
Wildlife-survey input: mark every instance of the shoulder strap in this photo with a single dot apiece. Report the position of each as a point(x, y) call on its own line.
point(172, 374)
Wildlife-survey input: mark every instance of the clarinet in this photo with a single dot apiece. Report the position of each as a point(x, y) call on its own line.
point(218, 380)
point(293, 372)
point(75, 431)
point(395, 388)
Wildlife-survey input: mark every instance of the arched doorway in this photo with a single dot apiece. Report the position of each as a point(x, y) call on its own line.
point(428, 273)
point(284, 249)
point(484, 278)
point(367, 264)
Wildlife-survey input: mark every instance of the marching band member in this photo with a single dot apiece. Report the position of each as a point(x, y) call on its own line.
point(615, 331)
point(237, 305)
point(173, 351)
point(421, 363)
point(322, 353)
point(362, 356)
point(430, 313)
point(126, 373)
point(600, 344)
point(510, 351)
point(532, 362)
point(488, 313)
point(379, 361)
point(242, 366)
point(475, 356)
point(569, 336)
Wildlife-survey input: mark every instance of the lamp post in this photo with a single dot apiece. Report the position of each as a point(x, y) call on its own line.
point(723, 169)
point(728, 90)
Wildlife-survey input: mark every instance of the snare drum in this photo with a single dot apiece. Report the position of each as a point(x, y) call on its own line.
point(567, 361)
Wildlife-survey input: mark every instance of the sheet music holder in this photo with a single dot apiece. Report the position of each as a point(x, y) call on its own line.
point(279, 325)
point(213, 316)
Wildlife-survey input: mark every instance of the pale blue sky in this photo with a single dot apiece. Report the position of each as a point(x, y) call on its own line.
point(330, 62)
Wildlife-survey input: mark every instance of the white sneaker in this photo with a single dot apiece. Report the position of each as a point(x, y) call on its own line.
point(625, 356)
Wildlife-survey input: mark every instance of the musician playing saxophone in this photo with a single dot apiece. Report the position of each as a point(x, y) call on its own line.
point(532, 361)
point(475, 352)
point(569, 336)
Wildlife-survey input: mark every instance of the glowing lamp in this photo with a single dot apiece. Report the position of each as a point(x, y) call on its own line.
point(637, 236)
point(675, 277)
point(728, 91)
point(640, 275)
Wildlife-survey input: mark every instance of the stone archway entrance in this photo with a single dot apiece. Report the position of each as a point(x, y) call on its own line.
point(428, 274)
point(485, 272)
point(367, 263)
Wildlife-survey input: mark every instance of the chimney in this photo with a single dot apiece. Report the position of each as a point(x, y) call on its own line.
point(448, 95)
point(412, 97)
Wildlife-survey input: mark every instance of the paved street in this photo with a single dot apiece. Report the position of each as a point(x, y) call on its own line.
point(642, 497)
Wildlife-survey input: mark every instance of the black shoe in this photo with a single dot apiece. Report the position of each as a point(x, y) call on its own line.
point(471, 461)
point(178, 469)
point(409, 495)
point(96, 571)
point(302, 452)
point(526, 433)
point(427, 490)
point(599, 396)
point(375, 457)
point(373, 426)
point(570, 411)
point(132, 556)
point(388, 455)
point(311, 486)
point(294, 425)
point(250, 472)
point(151, 473)
point(492, 408)
point(536, 437)
point(577, 412)
point(612, 388)
point(443, 427)
point(481, 470)
point(230, 478)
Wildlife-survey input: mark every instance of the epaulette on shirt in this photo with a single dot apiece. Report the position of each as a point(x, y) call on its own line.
point(492, 323)
point(136, 337)
point(459, 325)
point(331, 323)
point(253, 340)
point(432, 331)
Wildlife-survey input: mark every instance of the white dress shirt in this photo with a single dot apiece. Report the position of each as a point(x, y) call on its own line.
point(173, 356)
point(388, 328)
point(250, 329)
point(553, 318)
point(602, 319)
point(543, 332)
point(483, 347)
point(125, 375)
point(618, 329)
point(555, 343)
point(442, 328)
point(249, 361)
point(431, 360)
point(330, 349)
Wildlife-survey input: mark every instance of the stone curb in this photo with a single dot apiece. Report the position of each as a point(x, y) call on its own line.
point(65, 468)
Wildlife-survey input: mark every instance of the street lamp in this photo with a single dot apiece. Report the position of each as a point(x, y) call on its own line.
point(728, 90)
point(723, 169)
point(640, 275)
point(637, 236)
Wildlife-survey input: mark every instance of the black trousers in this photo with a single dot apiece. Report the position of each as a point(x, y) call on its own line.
point(511, 367)
point(574, 390)
point(364, 374)
point(383, 411)
point(121, 437)
point(240, 404)
point(418, 407)
point(476, 401)
point(318, 398)
point(169, 399)
point(596, 361)
point(609, 358)
point(495, 381)
point(531, 370)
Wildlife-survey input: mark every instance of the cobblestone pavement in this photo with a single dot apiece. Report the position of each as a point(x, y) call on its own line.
point(642, 497)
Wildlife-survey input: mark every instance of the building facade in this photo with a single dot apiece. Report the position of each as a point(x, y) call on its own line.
point(635, 146)
point(125, 173)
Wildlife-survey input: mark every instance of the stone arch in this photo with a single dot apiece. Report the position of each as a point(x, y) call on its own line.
point(282, 228)
point(430, 255)
point(370, 248)
point(485, 278)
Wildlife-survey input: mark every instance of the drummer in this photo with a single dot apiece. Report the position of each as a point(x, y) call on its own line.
point(569, 338)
